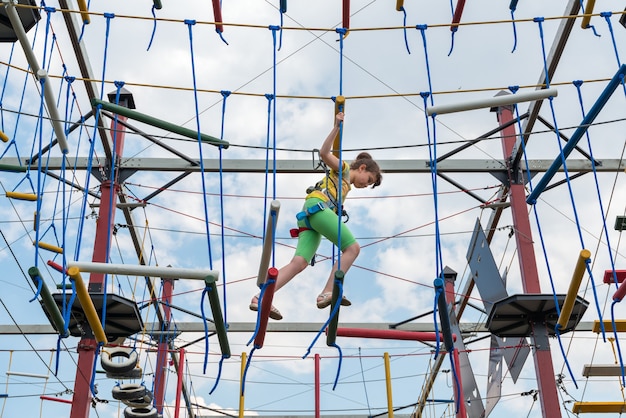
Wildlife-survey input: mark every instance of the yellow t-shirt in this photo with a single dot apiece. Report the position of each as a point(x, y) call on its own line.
point(328, 185)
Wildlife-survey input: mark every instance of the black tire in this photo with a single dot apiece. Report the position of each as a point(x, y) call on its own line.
point(118, 368)
point(129, 391)
point(140, 413)
point(144, 402)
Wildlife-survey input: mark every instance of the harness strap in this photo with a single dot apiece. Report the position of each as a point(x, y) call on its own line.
point(295, 232)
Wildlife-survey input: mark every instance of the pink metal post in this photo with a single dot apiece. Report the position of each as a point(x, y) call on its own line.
point(544, 368)
point(179, 385)
point(163, 346)
point(389, 334)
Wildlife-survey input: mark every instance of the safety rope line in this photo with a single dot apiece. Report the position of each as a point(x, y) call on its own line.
point(406, 40)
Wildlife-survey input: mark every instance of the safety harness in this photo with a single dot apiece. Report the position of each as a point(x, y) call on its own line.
point(331, 203)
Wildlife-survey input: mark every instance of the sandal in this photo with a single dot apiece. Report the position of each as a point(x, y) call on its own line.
point(274, 313)
point(325, 299)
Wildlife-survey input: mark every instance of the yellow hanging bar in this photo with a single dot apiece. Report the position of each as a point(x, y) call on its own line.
point(587, 16)
point(399, 5)
point(49, 247)
point(608, 407)
point(22, 196)
point(577, 277)
point(87, 304)
point(620, 326)
point(340, 106)
point(4, 137)
point(84, 12)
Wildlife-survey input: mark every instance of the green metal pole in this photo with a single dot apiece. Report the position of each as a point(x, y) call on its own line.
point(220, 328)
point(48, 301)
point(142, 117)
point(13, 168)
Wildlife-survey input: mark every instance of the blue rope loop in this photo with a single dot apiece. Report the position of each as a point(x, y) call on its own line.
point(153, 27)
point(619, 350)
point(514, 29)
point(339, 365)
point(438, 291)
point(205, 291)
point(422, 28)
point(219, 374)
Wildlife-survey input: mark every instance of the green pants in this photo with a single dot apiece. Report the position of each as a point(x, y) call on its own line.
point(323, 223)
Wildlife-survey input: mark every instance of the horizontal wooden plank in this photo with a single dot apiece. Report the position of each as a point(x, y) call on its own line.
point(602, 370)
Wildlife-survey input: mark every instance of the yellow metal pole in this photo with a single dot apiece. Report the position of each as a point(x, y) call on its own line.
point(579, 271)
point(241, 399)
point(87, 304)
point(388, 381)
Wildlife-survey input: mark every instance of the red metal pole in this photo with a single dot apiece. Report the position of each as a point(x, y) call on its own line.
point(544, 368)
point(389, 334)
point(179, 386)
point(81, 401)
point(162, 349)
point(317, 386)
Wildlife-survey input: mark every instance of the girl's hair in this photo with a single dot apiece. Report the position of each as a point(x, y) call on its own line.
point(370, 165)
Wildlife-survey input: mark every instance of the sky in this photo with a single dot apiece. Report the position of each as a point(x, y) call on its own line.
point(176, 71)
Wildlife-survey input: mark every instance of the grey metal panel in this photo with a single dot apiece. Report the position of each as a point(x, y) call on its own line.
point(515, 355)
point(484, 270)
point(494, 375)
point(471, 394)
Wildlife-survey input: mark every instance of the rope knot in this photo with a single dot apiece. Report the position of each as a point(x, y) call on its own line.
point(190, 22)
point(513, 89)
point(421, 27)
point(538, 19)
point(577, 83)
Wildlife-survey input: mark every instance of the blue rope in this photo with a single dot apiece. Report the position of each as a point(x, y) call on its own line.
point(578, 84)
point(330, 317)
point(340, 359)
point(225, 95)
point(245, 371)
point(258, 313)
point(190, 23)
point(406, 40)
point(153, 28)
point(205, 294)
point(619, 351)
point(459, 395)
point(512, 7)
point(422, 29)
point(219, 374)
point(582, 7)
point(607, 17)
point(437, 337)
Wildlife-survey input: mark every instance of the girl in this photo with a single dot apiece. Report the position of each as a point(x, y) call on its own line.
point(319, 218)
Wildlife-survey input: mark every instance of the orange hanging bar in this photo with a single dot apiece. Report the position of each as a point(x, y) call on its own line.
point(587, 16)
point(22, 196)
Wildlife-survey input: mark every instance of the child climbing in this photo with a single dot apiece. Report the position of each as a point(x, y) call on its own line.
point(319, 218)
